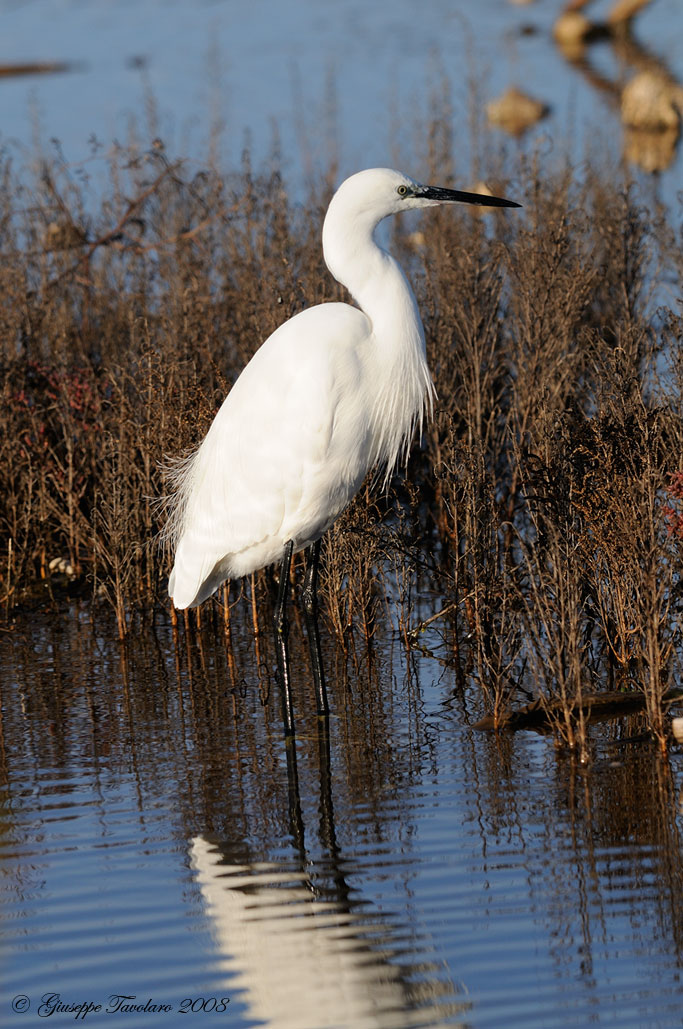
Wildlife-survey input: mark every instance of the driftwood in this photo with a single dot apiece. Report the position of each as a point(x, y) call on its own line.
point(35, 68)
point(595, 707)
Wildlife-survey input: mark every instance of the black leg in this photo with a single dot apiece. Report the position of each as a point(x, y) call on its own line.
point(296, 822)
point(310, 598)
point(281, 635)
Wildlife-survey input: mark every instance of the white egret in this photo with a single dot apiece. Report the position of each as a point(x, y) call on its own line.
point(333, 392)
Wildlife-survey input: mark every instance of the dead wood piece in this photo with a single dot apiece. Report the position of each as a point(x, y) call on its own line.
point(595, 707)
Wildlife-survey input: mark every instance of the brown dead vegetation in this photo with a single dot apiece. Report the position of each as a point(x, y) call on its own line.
point(542, 507)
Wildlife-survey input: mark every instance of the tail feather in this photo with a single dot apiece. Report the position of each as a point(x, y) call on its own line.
point(190, 591)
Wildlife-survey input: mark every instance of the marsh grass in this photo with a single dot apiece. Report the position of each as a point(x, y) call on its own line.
point(542, 506)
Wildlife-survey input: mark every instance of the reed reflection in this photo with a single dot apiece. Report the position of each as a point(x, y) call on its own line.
point(602, 843)
point(626, 842)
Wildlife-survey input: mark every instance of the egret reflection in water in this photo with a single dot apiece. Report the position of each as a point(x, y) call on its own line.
point(299, 957)
point(301, 947)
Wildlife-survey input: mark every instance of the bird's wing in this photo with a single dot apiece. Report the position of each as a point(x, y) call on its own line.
point(266, 469)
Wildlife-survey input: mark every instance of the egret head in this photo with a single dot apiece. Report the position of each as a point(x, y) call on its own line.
point(379, 192)
point(364, 200)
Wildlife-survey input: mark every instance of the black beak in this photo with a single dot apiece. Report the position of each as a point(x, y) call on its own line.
point(459, 197)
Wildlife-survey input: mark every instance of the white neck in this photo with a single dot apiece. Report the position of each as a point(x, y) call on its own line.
point(377, 283)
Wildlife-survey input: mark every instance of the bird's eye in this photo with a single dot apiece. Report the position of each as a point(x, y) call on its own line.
point(402, 190)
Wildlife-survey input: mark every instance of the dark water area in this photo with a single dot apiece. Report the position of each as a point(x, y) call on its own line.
point(158, 841)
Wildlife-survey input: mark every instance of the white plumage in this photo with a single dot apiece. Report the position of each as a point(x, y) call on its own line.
point(334, 392)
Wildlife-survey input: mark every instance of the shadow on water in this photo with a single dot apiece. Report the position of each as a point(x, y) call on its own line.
point(159, 838)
